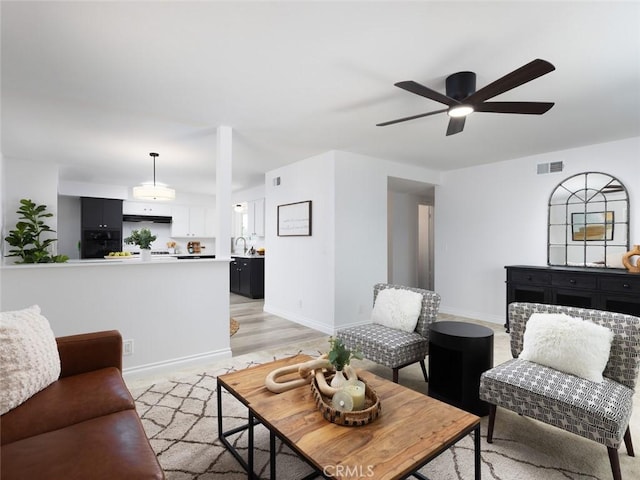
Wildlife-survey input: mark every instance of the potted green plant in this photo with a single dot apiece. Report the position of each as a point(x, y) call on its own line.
point(26, 239)
point(340, 356)
point(143, 238)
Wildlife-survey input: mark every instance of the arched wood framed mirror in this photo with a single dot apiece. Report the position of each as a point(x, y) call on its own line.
point(588, 222)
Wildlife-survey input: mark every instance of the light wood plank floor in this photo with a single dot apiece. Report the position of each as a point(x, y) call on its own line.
point(260, 330)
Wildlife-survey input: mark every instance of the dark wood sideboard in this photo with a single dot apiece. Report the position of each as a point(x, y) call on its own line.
point(614, 290)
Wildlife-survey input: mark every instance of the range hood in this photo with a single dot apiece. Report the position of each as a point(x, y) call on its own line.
point(146, 218)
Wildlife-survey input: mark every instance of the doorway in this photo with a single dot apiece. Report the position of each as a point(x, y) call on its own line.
point(410, 233)
point(425, 246)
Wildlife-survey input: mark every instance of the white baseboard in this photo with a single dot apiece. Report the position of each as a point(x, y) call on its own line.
point(173, 364)
point(307, 322)
point(353, 324)
point(471, 314)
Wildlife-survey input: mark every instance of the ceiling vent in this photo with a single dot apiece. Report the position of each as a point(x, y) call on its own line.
point(551, 167)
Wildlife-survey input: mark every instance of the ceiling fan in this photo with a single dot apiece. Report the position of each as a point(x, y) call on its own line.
point(463, 99)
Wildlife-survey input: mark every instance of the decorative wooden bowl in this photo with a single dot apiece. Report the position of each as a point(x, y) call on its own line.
point(355, 418)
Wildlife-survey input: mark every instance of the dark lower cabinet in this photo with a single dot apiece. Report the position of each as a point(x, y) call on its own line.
point(613, 290)
point(246, 276)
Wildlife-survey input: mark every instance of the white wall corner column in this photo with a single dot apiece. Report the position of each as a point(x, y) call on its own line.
point(224, 162)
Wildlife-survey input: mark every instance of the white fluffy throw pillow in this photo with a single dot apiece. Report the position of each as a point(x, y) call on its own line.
point(29, 359)
point(571, 345)
point(397, 308)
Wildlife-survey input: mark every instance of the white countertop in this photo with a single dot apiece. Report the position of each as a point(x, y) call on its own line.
point(166, 259)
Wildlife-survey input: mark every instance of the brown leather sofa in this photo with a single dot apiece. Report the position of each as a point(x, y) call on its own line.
point(84, 425)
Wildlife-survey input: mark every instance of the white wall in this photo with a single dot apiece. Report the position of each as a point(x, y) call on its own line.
point(299, 271)
point(69, 226)
point(96, 190)
point(246, 195)
point(34, 180)
point(403, 239)
point(361, 235)
point(3, 217)
point(326, 281)
point(362, 256)
point(494, 215)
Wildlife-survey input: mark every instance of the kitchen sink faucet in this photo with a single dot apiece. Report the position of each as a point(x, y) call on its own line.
point(244, 240)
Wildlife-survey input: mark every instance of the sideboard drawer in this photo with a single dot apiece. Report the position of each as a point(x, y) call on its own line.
point(532, 277)
point(573, 281)
point(621, 285)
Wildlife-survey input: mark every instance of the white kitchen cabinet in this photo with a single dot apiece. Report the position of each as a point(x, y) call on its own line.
point(188, 222)
point(141, 208)
point(255, 213)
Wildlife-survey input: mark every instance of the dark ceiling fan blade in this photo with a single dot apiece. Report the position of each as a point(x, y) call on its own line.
point(413, 87)
point(530, 108)
point(524, 74)
point(456, 124)
point(413, 117)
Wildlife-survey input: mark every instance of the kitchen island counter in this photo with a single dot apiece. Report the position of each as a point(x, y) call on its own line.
point(133, 260)
point(176, 312)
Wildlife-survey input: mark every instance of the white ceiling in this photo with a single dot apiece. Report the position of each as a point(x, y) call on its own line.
point(96, 86)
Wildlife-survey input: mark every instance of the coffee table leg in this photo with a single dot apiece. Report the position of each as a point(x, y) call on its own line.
point(219, 399)
point(250, 449)
point(272, 455)
point(222, 435)
point(476, 443)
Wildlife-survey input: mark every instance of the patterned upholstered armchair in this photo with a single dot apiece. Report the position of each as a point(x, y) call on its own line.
point(599, 412)
point(391, 347)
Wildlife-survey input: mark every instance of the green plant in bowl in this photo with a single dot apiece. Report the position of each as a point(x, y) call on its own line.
point(340, 355)
point(143, 238)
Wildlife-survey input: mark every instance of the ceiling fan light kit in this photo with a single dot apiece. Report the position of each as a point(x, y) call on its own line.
point(462, 99)
point(460, 111)
point(154, 191)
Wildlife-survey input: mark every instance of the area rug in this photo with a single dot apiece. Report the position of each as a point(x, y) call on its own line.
point(234, 326)
point(180, 415)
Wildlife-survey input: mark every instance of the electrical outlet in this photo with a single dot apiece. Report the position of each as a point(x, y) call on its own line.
point(127, 347)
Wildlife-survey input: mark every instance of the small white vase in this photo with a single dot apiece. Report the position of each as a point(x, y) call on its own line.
point(145, 254)
point(338, 379)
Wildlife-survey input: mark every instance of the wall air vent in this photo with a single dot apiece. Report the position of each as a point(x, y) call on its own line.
point(552, 167)
point(555, 167)
point(543, 168)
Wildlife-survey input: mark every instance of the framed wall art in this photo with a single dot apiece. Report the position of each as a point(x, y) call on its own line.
point(294, 219)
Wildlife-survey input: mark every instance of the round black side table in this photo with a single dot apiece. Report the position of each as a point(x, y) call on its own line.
point(459, 353)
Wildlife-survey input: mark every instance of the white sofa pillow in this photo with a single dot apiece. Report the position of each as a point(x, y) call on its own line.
point(571, 345)
point(397, 308)
point(29, 359)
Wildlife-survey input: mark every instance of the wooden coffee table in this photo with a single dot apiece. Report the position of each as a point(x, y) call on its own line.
point(411, 430)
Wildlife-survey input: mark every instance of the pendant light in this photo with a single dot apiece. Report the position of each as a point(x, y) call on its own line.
point(148, 191)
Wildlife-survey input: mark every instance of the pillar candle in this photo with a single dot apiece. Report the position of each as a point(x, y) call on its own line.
point(356, 391)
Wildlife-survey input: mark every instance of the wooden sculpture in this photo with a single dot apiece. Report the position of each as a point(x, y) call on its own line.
point(628, 262)
point(307, 371)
